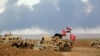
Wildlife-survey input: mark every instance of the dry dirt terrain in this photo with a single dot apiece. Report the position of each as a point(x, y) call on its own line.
point(6, 50)
point(80, 48)
point(83, 51)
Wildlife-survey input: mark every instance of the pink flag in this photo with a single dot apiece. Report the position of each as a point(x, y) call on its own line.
point(63, 32)
point(72, 37)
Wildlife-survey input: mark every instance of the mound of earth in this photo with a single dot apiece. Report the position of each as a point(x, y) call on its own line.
point(7, 50)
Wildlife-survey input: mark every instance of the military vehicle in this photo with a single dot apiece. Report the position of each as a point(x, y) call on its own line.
point(55, 43)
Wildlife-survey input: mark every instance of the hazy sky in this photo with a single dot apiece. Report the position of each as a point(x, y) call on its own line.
point(48, 16)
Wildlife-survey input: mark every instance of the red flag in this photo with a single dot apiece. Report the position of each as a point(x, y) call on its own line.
point(72, 37)
point(68, 29)
point(63, 32)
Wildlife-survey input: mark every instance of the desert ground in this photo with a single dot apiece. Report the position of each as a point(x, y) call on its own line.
point(81, 47)
point(83, 51)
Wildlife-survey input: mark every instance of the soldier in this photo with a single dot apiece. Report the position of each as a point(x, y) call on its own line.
point(41, 42)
